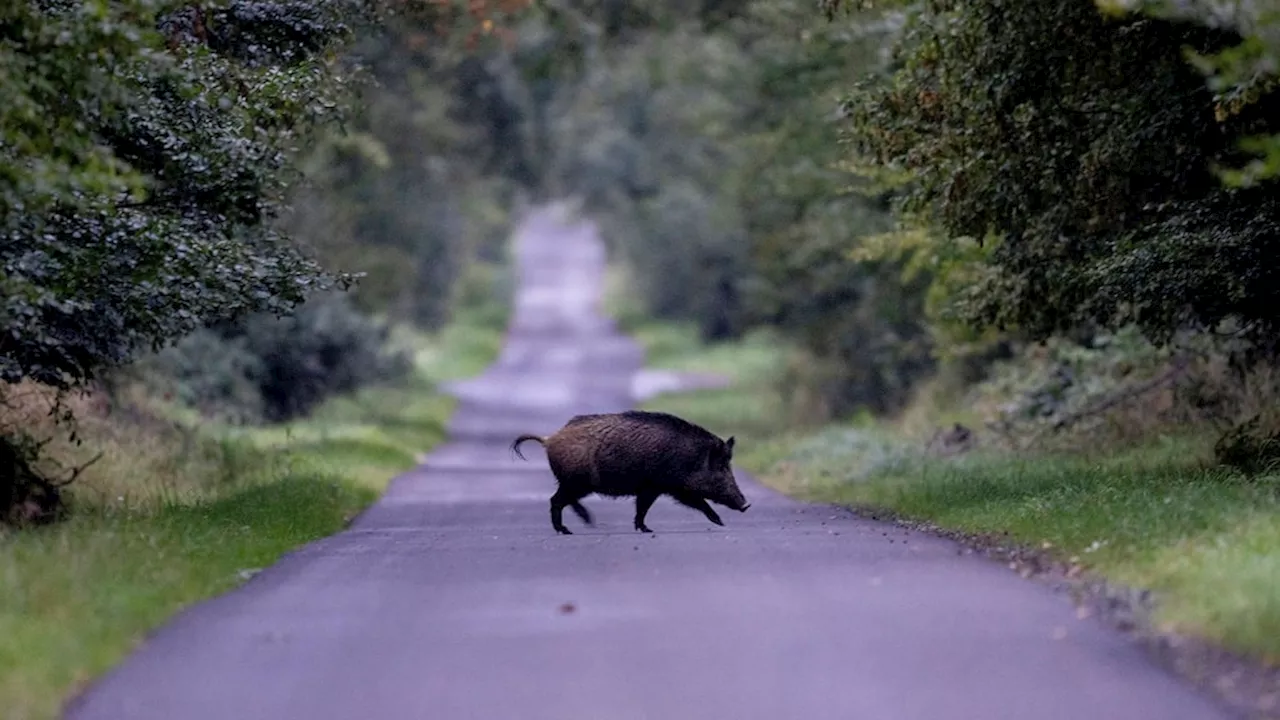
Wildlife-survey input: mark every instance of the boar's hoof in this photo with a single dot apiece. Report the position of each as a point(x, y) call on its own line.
point(564, 531)
point(643, 528)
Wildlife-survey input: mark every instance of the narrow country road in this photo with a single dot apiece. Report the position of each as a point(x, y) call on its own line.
point(453, 599)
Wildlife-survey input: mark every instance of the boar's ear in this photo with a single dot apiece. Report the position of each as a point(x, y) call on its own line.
point(728, 446)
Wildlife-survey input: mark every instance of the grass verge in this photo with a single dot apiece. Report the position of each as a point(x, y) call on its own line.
point(171, 517)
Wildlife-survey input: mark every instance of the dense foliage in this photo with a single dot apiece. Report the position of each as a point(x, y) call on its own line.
point(146, 151)
point(267, 368)
point(645, 139)
point(411, 193)
point(808, 215)
point(1083, 147)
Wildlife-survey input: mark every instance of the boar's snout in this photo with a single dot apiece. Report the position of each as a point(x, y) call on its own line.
point(730, 497)
point(736, 500)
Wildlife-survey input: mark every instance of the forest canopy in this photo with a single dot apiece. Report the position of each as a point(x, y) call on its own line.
point(1086, 148)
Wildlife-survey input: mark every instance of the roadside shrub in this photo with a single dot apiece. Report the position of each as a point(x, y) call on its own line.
point(216, 375)
point(1251, 447)
point(1113, 390)
point(274, 369)
point(27, 496)
point(325, 349)
point(1244, 406)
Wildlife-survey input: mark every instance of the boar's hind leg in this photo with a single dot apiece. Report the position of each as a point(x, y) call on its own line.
point(557, 514)
point(697, 503)
point(581, 511)
point(559, 501)
point(644, 501)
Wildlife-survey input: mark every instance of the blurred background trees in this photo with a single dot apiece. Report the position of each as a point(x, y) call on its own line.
point(913, 195)
point(1064, 199)
point(187, 190)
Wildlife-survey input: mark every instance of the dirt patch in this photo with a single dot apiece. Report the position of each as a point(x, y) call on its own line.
point(1243, 684)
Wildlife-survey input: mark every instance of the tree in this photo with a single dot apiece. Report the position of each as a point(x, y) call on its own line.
point(1082, 146)
point(1240, 75)
point(146, 152)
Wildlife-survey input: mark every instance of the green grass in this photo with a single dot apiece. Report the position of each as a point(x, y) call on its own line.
point(77, 596)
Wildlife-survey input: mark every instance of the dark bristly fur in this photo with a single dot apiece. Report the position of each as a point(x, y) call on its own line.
point(641, 454)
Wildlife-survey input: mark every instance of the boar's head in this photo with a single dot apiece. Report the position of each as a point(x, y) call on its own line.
point(714, 479)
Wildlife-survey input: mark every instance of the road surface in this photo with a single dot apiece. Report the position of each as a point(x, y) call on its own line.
point(452, 598)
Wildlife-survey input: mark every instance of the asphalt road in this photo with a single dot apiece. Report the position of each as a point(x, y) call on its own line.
point(453, 598)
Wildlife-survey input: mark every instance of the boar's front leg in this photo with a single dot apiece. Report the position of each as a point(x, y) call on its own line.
point(644, 501)
point(557, 518)
point(697, 503)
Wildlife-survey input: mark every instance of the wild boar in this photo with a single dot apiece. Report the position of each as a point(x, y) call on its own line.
point(641, 454)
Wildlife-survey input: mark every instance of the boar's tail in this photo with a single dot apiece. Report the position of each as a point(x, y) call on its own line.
point(515, 446)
